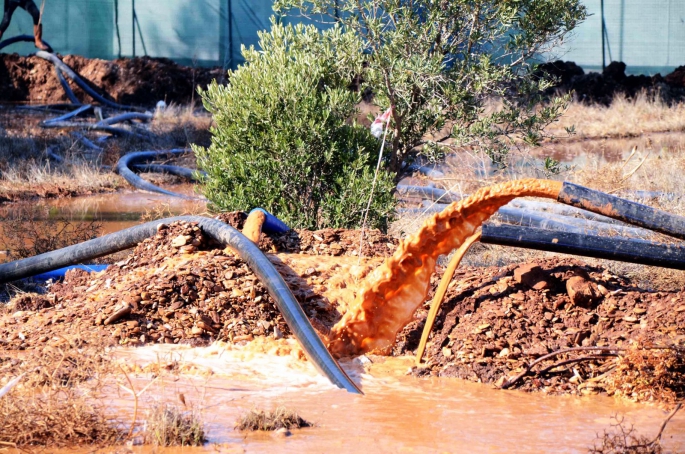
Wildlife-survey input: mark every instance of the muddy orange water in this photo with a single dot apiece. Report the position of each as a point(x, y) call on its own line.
point(398, 413)
point(389, 296)
point(114, 210)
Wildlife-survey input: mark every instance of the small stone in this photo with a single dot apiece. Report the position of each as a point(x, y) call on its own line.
point(282, 432)
point(446, 352)
point(581, 291)
point(640, 310)
point(179, 241)
point(531, 275)
point(119, 314)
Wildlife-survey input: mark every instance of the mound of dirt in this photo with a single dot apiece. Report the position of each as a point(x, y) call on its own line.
point(601, 88)
point(141, 81)
point(557, 326)
point(495, 322)
point(179, 287)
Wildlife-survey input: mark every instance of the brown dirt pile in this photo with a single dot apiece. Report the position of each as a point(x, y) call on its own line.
point(494, 322)
point(601, 88)
point(178, 287)
point(139, 81)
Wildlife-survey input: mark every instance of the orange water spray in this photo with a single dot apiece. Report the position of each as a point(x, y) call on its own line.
point(390, 295)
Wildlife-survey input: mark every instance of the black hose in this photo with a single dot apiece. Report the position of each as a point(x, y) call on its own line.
point(626, 250)
point(228, 236)
point(624, 210)
point(21, 38)
point(67, 89)
point(566, 223)
point(70, 73)
point(126, 117)
point(89, 127)
point(183, 172)
point(126, 161)
point(68, 115)
point(87, 142)
point(428, 193)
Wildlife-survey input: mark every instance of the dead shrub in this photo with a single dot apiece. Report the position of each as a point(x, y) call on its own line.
point(168, 425)
point(54, 418)
point(56, 402)
point(30, 231)
point(622, 439)
point(281, 417)
point(647, 373)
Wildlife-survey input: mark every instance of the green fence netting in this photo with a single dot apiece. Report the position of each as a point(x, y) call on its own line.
point(648, 36)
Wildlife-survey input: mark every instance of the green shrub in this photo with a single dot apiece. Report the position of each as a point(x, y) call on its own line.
point(283, 140)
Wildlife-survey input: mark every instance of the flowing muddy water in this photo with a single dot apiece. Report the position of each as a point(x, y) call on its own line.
point(397, 414)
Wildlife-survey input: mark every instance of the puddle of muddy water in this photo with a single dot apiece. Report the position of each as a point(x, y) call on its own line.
point(115, 211)
point(398, 413)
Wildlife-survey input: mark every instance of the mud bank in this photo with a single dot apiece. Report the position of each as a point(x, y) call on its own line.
point(139, 81)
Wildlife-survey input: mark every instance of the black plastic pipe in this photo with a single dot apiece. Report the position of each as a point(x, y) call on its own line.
point(621, 209)
point(429, 193)
point(69, 115)
point(21, 38)
point(223, 233)
point(626, 250)
point(89, 127)
point(126, 161)
point(71, 74)
point(567, 223)
point(183, 172)
point(126, 117)
point(67, 89)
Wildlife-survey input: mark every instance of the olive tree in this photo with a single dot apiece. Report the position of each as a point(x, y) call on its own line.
point(453, 72)
point(283, 139)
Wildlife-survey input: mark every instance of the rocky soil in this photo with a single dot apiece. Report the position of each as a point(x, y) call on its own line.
point(141, 81)
point(495, 322)
point(557, 326)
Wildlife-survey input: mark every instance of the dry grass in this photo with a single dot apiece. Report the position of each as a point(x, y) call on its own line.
point(56, 402)
point(26, 172)
point(44, 179)
point(280, 418)
point(623, 118)
point(168, 425)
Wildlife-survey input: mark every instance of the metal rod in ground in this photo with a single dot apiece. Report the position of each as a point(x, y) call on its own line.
point(625, 250)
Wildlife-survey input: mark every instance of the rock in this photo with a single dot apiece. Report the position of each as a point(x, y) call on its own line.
point(282, 432)
point(119, 314)
point(531, 275)
point(179, 241)
point(582, 292)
